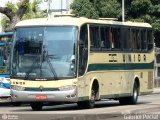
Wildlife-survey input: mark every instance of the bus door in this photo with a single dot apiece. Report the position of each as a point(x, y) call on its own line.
point(83, 59)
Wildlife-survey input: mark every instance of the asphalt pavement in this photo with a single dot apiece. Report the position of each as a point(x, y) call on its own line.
point(115, 114)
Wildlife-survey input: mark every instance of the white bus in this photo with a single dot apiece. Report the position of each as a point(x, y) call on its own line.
point(68, 59)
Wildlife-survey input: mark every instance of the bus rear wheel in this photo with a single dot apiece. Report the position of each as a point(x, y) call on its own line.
point(36, 106)
point(132, 99)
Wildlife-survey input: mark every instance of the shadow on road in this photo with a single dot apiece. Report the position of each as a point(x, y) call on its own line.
point(74, 107)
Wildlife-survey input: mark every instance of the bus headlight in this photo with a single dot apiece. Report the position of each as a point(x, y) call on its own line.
point(19, 88)
point(68, 87)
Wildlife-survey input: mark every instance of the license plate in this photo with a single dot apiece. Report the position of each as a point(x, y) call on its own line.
point(41, 97)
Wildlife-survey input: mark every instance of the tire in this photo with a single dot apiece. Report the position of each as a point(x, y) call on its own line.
point(132, 100)
point(16, 103)
point(36, 106)
point(89, 104)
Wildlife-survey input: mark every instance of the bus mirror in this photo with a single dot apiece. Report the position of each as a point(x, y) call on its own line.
point(72, 62)
point(73, 59)
point(72, 66)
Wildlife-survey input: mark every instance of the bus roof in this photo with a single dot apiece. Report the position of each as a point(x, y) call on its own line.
point(75, 21)
point(5, 33)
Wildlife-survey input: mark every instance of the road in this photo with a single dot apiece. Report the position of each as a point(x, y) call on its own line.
point(149, 104)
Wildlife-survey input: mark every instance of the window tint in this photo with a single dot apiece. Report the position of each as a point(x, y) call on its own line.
point(125, 33)
point(149, 39)
point(126, 38)
point(95, 37)
point(143, 39)
point(158, 58)
point(83, 50)
point(136, 44)
point(158, 71)
point(104, 33)
point(115, 37)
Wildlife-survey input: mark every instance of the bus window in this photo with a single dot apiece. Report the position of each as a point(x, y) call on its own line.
point(104, 32)
point(115, 37)
point(83, 50)
point(136, 39)
point(95, 38)
point(125, 33)
point(150, 39)
point(143, 39)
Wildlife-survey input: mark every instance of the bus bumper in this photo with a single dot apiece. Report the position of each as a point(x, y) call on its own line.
point(45, 96)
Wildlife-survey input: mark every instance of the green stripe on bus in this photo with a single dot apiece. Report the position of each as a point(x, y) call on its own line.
point(121, 66)
point(38, 89)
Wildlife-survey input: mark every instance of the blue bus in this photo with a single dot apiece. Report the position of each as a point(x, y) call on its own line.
point(5, 43)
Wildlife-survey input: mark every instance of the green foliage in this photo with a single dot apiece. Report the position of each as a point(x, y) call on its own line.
point(84, 8)
point(12, 6)
point(135, 10)
point(108, 8)
point(145, 11)
point(33, 11)
point(4, 22)
point(5, 19)
point(96, 8)
point(139, 7)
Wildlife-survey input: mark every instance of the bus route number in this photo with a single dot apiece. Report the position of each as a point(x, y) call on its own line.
point(113, 57)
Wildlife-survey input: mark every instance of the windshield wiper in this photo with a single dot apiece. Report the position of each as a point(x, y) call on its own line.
point(51, 66)
point(31, 69)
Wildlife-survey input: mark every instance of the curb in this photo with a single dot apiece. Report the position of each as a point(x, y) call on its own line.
point(156, 91)
point(115, 115)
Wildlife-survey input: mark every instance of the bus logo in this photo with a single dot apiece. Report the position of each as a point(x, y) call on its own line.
point(41, 87)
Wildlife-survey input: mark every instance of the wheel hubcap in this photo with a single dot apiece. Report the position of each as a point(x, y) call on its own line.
point(135, 95)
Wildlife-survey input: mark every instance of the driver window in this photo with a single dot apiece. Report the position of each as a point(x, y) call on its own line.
point(83, 49)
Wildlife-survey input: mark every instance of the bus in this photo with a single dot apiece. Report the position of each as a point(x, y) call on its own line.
point(70, 59)
point(5, 43)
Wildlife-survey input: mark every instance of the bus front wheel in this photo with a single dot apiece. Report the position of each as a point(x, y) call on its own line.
point(36, 106)
point(89, 104)
point(16, 103)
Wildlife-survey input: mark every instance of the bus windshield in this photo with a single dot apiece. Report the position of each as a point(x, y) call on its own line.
point(44, 53)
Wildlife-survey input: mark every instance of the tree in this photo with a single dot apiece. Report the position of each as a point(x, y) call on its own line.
point(33, 10)
point(108, 8)
point(135, 10)
point(14, 16)
point(84, 8)
point(145, 11)
point(96, 8)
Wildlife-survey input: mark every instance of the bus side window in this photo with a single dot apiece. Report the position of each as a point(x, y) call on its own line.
point(104, 32)
point(134, 44)
point(83, 50)
point(126, 41)
point(143, 39)
point(150, 39)
point(136, 39)
point(115, 37)
point(111, 39)
point(95, 38)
